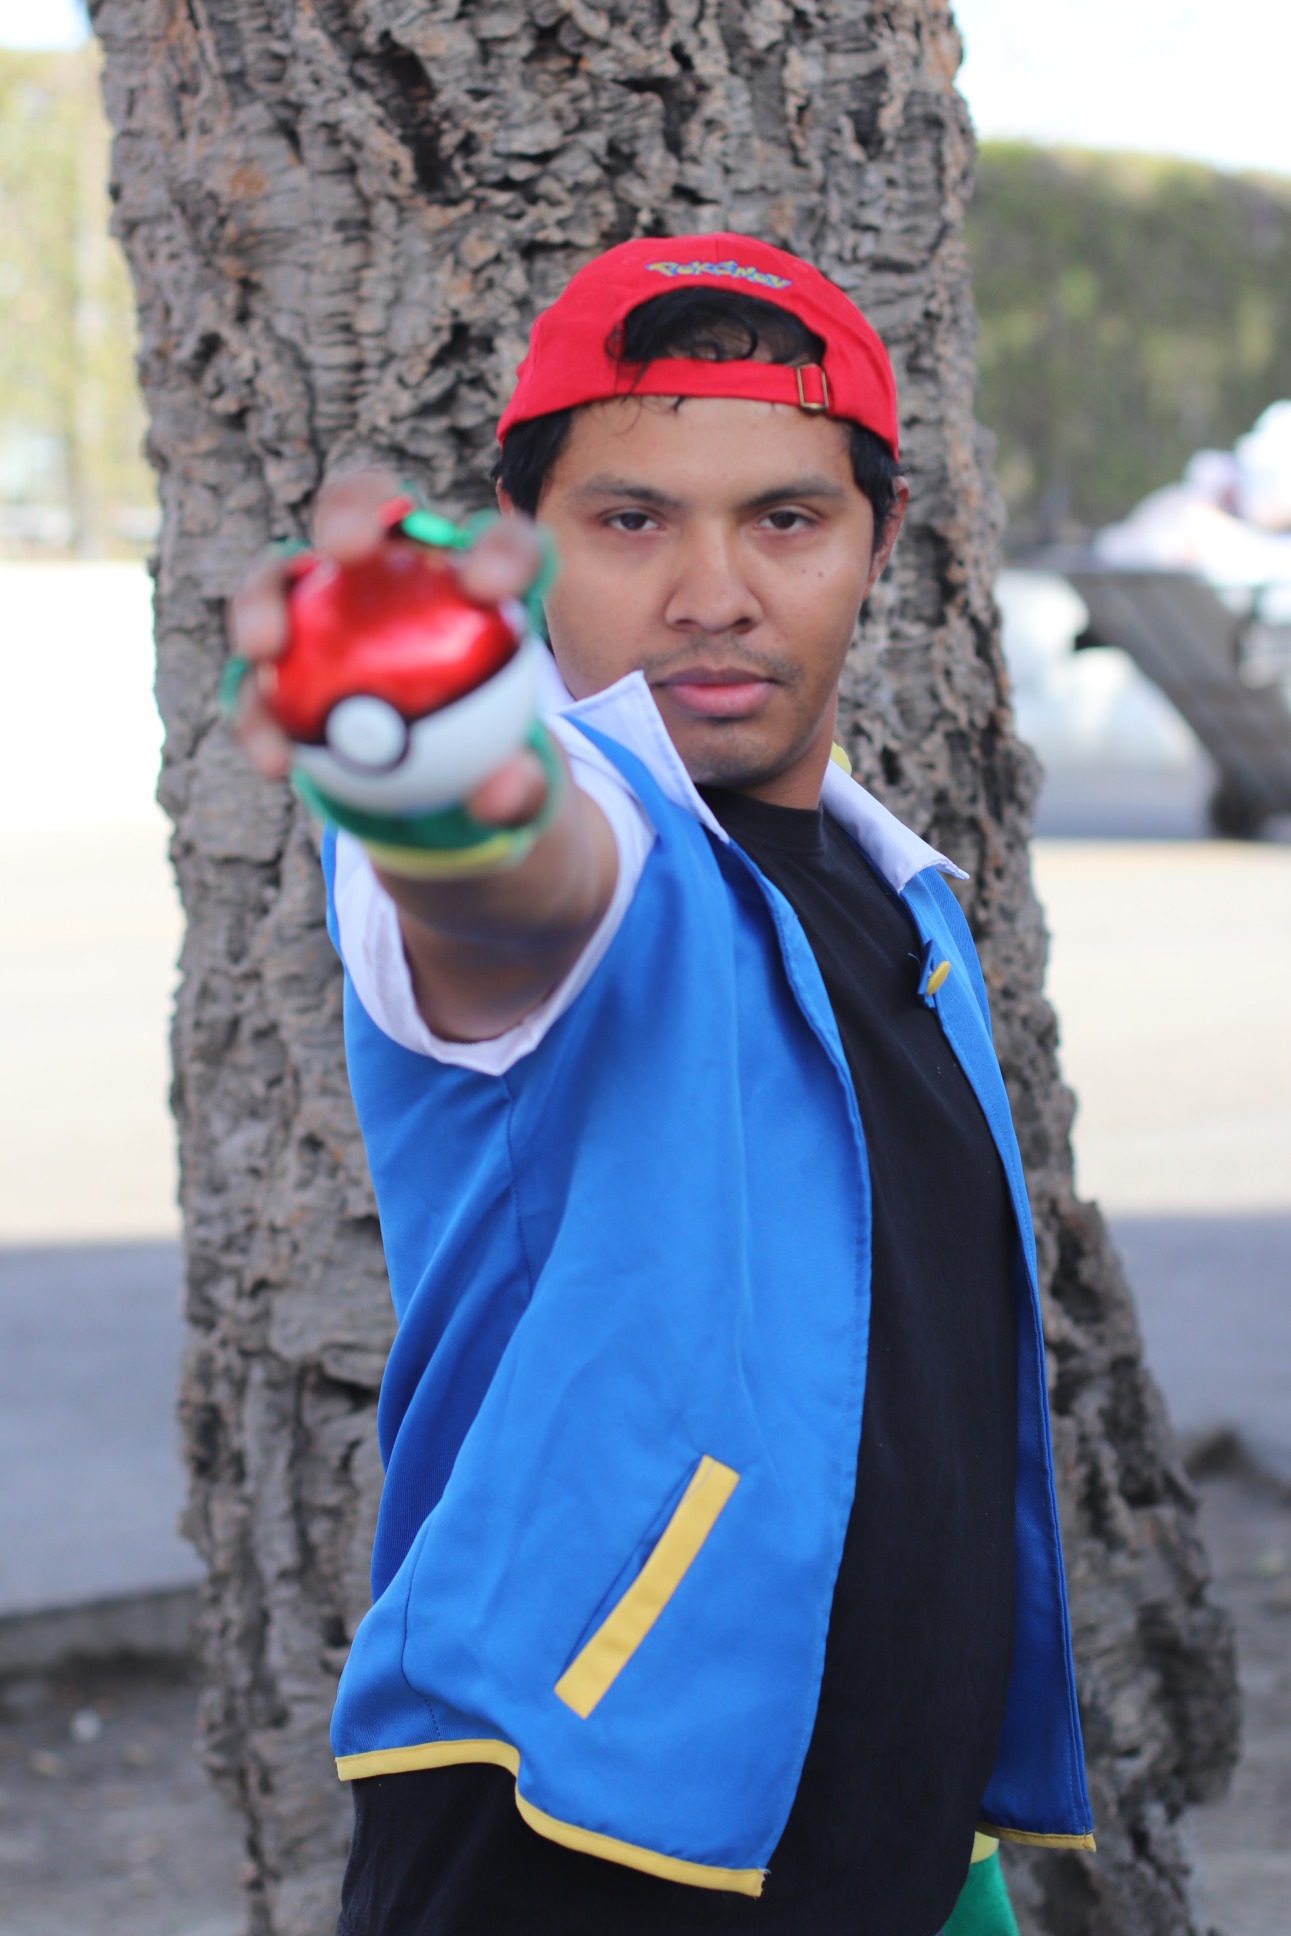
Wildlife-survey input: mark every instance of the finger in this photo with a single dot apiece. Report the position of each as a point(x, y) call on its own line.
point(348, 523)
point(502, 563)
point(513, 795)
point(258, 611)
point(260, 737)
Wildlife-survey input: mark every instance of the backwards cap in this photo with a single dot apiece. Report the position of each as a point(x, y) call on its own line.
point(568, 363)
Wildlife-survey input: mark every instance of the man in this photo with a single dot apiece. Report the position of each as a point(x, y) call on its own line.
point(717, 1582)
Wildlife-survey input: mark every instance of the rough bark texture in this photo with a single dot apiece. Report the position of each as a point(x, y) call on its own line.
point(341, 216)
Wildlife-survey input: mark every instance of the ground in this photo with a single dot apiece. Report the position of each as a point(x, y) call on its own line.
point(1242, 1844)
point(122, 1835)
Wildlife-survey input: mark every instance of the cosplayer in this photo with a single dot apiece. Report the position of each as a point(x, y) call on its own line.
point(717, 1583)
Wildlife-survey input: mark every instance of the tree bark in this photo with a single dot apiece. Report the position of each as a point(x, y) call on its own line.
point(341, 216)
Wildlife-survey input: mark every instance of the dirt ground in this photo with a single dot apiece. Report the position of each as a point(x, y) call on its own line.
point(109, 1827)
point(1242, 1844)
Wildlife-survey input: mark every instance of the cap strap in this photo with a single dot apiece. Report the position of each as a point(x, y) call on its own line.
point(812, 376)
point(678, 376)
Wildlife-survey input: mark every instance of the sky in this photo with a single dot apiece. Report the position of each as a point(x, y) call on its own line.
point(1209, 79)
point(42, 23)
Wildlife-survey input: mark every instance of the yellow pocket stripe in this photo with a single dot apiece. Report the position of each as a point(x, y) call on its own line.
point(598, 1665)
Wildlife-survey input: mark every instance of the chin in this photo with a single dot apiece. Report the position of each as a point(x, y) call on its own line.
point(738, 761)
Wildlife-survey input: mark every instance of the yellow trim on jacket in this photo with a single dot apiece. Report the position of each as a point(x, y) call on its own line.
point(500, 1754)
point(1037, 1841)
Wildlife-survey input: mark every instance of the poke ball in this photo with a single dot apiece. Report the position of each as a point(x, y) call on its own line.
point(399, 694)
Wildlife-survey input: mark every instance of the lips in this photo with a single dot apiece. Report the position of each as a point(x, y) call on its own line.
point(717, 695)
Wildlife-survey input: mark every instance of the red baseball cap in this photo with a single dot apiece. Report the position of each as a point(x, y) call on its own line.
point(568, 363)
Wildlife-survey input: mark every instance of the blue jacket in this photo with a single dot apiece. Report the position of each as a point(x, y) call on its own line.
point(621, 1415)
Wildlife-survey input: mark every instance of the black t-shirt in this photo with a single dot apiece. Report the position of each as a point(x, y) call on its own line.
point(921, 1629)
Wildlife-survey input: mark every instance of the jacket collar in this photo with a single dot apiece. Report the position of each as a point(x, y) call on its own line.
point(626, 712)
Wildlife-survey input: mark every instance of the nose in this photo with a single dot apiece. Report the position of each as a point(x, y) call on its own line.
point(710, 590)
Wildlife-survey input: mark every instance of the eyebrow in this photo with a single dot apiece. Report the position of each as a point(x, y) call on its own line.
point(798, 487)
point(607, 486)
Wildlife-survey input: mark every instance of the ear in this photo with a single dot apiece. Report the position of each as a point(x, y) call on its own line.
point(885, 539)
point(505, 502)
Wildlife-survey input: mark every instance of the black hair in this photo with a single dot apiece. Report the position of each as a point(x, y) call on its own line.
point(715, 325)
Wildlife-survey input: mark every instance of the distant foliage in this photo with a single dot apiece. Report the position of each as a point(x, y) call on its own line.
point(1132, 311)
point(72, 474)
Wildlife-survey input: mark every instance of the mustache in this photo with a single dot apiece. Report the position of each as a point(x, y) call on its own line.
point(721, 654)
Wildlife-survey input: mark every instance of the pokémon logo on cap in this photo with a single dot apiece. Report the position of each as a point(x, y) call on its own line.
point(736, 271)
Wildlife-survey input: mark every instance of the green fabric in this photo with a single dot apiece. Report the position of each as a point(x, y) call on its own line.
point(542, 584)
point(229, 693)
point(452, 829)
point(428, 528)
point(983, 1908)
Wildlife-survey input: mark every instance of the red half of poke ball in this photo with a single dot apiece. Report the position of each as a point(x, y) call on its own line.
point(396, 626)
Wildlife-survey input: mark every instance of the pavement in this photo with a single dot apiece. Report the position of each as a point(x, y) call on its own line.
point(1214, 1303)
point(90, 932)
point(1168, 972)
point(90, 924)
point(90, 1340)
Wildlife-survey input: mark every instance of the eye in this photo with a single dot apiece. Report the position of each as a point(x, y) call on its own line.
point(630, 521)
point(788, 521)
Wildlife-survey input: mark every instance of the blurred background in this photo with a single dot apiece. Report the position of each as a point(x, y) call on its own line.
point(1131, 246)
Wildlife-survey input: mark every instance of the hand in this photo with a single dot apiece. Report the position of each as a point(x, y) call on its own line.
point(502, 563)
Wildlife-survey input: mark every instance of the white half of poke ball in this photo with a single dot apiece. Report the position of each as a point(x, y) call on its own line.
point(447, 754)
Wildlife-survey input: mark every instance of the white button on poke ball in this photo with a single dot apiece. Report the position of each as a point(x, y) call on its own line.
point(366, 733)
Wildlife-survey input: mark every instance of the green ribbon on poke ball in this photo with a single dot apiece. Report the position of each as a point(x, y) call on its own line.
point(429, 528)
point(450, 829)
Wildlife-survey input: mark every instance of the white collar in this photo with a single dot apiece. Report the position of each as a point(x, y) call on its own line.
point(626, 712)
point(897, 852)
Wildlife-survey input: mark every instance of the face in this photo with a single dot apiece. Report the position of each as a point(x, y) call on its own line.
point(722, 548)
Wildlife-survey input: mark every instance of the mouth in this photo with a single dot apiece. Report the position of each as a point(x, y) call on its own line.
point(707, 694)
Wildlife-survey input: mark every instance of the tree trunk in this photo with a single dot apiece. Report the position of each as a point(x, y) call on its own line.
point(341, 216)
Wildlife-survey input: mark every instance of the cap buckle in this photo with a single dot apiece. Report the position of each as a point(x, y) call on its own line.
point(822, 407)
